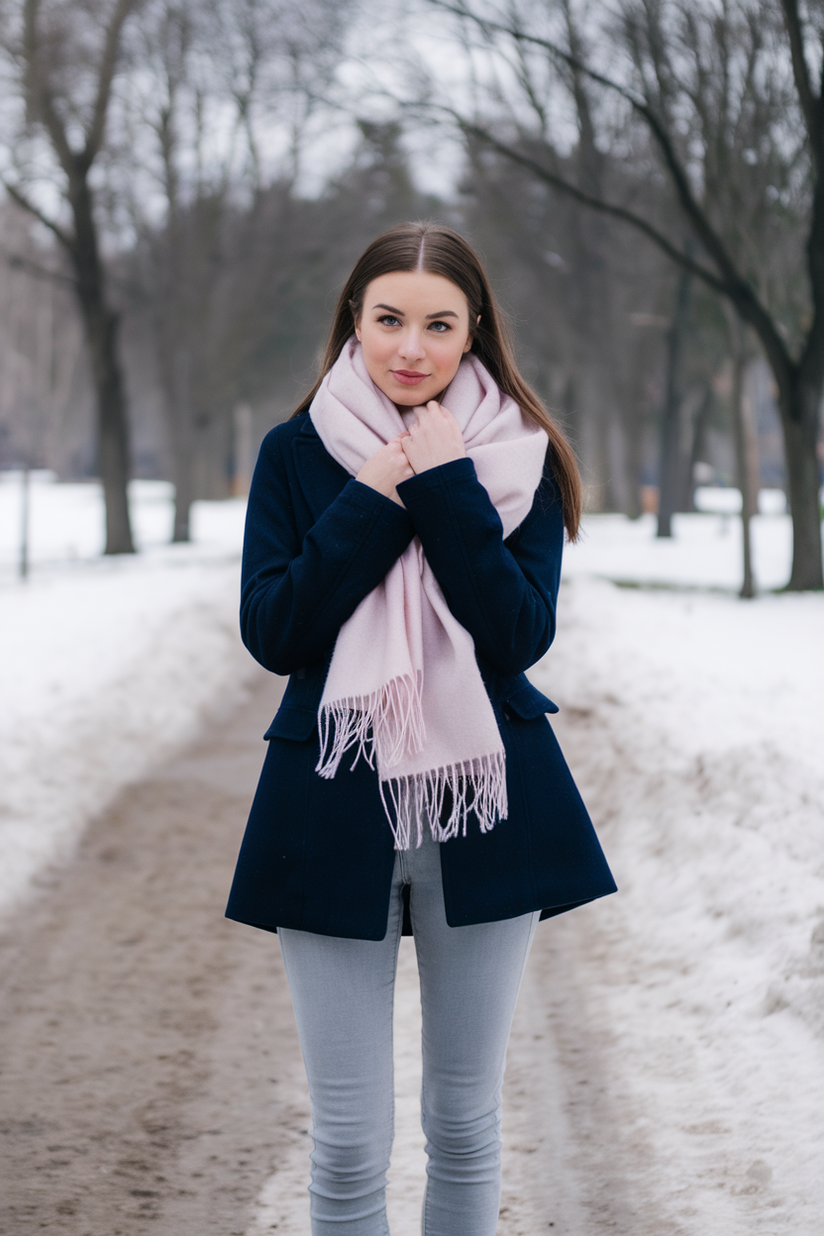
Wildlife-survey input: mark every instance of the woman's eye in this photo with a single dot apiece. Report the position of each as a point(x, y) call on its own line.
point(440, 328)
point(388, 320)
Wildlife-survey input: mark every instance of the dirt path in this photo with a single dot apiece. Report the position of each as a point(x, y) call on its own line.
point(151, 1078)
point(132, 1015)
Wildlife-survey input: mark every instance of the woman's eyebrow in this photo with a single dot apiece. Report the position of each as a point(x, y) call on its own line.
point(447, 313)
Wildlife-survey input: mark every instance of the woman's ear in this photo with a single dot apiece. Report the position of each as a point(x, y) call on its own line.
point(471, 338)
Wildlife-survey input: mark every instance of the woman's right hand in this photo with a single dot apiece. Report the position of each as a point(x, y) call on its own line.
point(386, 469)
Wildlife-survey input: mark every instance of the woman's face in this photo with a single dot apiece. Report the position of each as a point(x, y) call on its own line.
point(414, 329)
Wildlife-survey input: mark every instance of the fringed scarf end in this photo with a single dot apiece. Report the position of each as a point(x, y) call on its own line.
point(475, 786)
point(388, 724)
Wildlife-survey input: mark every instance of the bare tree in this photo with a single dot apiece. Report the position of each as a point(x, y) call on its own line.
point(44, 387)
point(670, 462)
point(578, 288)
point(246, 71)
point(743, 435)
point(64, 61)
point(726, 98)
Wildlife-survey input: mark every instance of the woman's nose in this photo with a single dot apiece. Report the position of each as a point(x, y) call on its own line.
point(411, 345)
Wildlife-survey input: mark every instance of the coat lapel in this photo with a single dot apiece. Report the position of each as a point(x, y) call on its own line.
point(321, 477)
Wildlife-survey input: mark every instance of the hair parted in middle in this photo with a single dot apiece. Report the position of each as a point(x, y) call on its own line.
point(439, 250)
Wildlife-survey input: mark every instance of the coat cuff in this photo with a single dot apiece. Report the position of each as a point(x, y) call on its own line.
point(396, 519)
point(454, 472)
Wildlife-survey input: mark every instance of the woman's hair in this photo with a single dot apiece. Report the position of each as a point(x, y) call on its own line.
point(440, 251)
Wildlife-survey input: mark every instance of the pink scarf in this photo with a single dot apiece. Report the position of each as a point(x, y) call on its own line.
point(404, 687)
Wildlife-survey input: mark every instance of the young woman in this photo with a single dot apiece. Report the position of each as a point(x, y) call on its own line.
point(401, 565)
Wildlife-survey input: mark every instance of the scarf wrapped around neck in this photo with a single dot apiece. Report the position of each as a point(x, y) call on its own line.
point(403, 687)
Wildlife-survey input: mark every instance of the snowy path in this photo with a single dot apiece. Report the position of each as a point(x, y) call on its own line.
point(151, 1077)
point(144, 1040)
point(666, 1072)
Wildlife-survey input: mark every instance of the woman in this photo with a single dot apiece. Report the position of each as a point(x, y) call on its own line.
point(401, 565)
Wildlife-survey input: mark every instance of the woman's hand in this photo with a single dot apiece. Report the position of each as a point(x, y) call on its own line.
point(433, 439)
point(386, 469)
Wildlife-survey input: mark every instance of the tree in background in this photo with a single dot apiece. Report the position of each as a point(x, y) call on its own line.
point(243, 318)
point(61, 62)
point(220, 81)
point(267, 269)
point(588, 300)
point(719, 110)
point(44, 397)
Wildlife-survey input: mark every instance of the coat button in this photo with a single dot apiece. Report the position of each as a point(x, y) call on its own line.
point(507, 716)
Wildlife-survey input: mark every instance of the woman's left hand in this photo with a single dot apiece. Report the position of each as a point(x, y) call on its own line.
point(433, 439)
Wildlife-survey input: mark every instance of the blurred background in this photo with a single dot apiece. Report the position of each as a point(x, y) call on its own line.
point(188, 184)
point(184, 187)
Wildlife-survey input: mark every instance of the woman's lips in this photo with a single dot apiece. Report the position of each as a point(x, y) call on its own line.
point(409, 377)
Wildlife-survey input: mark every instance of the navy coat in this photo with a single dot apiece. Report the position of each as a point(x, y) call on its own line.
point(318, 855)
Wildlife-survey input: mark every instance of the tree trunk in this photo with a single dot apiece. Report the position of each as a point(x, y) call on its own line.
point(669, 469)
point(182, 441)
point(182, 437)
point(243, 462)
point(632, 447)
point(184, 497)
point(741, 457)
point(799, 420)
point(100, 323)
point(751, 461)
point(699, 427)
point(170, 320)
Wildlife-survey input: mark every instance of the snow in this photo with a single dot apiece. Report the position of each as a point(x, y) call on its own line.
point(107, 664)
point(704, 552)
point(697, 732)
point(726, 500)
point(706, 781)
point(67, 521)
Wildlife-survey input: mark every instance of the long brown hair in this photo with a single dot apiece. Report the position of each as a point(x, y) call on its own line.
point(441, 251)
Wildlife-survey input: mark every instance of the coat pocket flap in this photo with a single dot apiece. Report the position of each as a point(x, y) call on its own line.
point(295, 723)
point(528, 702)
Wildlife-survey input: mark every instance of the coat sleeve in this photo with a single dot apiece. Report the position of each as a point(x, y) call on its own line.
point(503, 592)
point(295, 595)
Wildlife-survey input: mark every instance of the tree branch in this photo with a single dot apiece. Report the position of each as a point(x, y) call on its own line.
point(41, 97)
point(731, 283)
point(810, 105)
point(108, 64)
point(595, 203)
point(18, 196)
point(17, 262)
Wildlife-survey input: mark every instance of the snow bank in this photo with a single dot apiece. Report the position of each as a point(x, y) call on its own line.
point(698, 733)
point(705, 551)
point(66, 522)
point(106, 665)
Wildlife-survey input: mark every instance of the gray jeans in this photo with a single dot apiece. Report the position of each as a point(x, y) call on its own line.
point(343, 991)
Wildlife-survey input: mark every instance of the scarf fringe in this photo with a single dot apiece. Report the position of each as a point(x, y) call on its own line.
point(476, 786)
point(387, 723)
